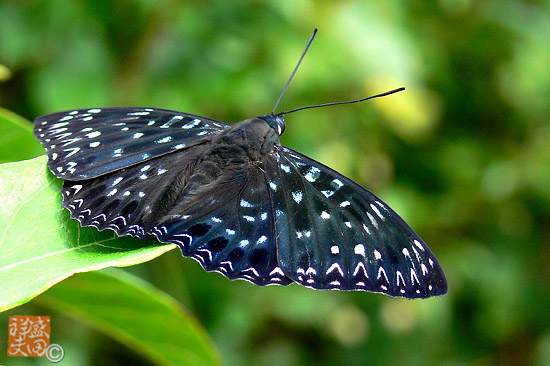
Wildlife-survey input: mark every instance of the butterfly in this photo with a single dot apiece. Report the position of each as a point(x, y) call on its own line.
point(234, 199)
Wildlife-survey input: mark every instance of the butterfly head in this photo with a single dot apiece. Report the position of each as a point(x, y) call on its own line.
point(276, 122)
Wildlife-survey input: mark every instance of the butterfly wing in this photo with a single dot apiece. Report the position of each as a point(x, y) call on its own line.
point(86, 143)
point(334, 234)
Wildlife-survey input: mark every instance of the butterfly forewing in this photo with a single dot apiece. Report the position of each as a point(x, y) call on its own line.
point(341, 236)
point(87, 143)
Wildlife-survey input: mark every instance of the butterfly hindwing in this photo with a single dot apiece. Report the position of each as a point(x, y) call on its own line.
point(86, 143)
point(338, 235)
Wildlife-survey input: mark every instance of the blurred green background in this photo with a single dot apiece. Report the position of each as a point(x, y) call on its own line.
point(463, 155)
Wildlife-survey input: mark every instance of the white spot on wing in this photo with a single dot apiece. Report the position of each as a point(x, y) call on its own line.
point(93, 134)
point(418, 245)
point(191, 124)
point(335, 249)
point(313, 174)
point(335, 266)
point(60, 124)
point(359, 249)
point(376, 211)
point(73, 150)
point(373, 220)
point(311, 271)
point(325, 215)
point(297, 196)
point(381, 272)
point(377, 254)
point(277, 271)
point(245, 203)
point(414, 277)
point(70, 166)
point(361, 266)
point(366, 229)
point(338, 183)
point(399, 278)
point(163, 140)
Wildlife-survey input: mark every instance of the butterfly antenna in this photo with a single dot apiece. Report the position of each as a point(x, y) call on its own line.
point(295, 69)
point(344, 102)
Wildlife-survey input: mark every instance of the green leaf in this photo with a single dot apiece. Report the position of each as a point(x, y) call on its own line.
point(136, 314)
point(41, 245)
point(16, 138)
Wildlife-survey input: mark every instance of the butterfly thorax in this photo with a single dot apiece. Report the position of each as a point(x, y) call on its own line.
point(245, 142)
point(242, 147)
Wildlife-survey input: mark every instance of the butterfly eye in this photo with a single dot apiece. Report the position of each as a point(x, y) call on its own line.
point(280, 121)
point(276, 122)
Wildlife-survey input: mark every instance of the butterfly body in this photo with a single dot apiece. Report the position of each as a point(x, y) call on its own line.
point(235, 199)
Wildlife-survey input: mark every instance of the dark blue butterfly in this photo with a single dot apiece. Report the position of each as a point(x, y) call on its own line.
point(235, 199)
